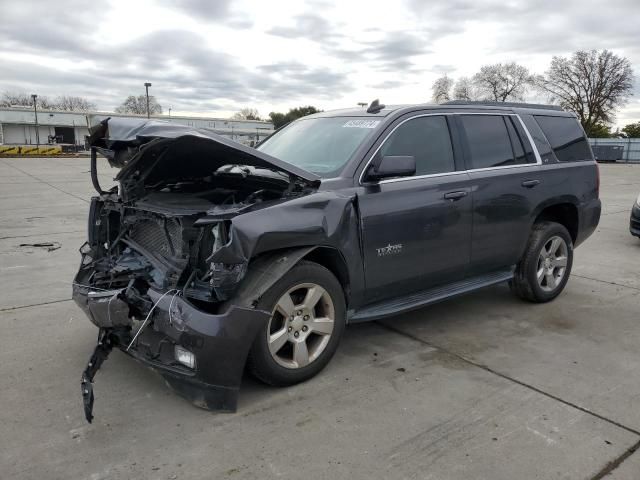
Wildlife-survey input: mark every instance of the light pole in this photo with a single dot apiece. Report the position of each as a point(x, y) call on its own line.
point(146, 86)
point(169, 111)
point(35, 112)
point(362, 104)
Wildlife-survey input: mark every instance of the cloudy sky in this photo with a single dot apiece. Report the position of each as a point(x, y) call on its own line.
point(212, 57)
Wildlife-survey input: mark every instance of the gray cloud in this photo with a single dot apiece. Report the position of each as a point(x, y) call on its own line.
point(210, 11)
point(307, 25)
point(544, 26)
point(58, 33)
point(387, 84)
point(184, 73)
point(442, 69)
point(190, 76)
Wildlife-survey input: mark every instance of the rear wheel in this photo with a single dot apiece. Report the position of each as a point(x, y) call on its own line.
point(307, 320)
point(546, 264)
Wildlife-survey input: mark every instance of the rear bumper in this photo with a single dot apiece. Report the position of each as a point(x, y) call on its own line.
point(589, 219)
point(219, 342)
point(634, 221)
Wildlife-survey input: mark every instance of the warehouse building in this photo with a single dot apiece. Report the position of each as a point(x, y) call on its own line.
point(19, 126)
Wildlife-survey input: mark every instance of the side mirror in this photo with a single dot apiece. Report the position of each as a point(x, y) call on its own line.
point(391, 166)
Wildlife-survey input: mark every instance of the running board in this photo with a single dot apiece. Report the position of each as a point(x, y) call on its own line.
point(427, 297)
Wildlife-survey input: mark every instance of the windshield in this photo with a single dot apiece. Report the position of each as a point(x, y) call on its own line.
point(320, 145)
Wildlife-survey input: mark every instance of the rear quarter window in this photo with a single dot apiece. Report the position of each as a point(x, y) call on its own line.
point(565, 137)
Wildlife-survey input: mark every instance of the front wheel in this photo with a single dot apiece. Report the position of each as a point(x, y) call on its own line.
point(308, 316)
point(546, 264)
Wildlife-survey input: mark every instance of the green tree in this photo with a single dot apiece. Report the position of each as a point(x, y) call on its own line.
point(600, 130)
point(631, 131)
point(279, 119)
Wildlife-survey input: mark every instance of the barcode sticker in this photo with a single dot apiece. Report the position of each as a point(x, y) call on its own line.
point(361, 124)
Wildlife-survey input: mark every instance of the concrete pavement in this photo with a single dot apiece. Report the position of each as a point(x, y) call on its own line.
point(483, 386)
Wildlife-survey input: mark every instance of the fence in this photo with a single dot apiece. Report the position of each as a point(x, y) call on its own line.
point(625, 150)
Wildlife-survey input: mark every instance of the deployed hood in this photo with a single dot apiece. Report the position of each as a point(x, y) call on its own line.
point(155, 149)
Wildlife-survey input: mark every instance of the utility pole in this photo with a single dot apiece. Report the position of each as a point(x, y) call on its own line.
point(146, 86)
point(35, 112)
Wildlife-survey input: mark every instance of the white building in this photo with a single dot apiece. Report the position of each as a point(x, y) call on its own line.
point(18, 126)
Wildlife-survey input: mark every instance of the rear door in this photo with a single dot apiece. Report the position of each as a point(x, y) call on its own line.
point(505, 180)
point(416, 230)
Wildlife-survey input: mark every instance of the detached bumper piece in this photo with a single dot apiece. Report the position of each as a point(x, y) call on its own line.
point(100, 354)
point(200, 355)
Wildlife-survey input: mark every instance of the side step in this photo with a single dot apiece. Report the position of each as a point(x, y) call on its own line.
point(416, 300)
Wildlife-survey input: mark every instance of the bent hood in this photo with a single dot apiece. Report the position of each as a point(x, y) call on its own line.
point(155, 148)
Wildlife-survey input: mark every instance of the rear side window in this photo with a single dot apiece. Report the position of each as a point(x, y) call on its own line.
point(425, 138)
point(566, 138)
point(489, 141)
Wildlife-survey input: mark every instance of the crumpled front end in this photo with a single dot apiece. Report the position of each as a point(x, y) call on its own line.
point(151, 278)
point(201, 355)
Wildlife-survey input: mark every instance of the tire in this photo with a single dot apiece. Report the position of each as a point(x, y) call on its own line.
point(280, 361)
point(527, 282)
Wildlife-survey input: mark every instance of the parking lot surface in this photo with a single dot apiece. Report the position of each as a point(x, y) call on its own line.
point(484, 386)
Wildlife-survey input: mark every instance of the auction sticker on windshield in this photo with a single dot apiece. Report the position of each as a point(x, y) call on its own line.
point(361, 124)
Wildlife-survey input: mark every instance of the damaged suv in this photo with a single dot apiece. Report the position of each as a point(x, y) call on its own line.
point(208, 255)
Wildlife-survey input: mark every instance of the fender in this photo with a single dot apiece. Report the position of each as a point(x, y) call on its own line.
point(263, 272)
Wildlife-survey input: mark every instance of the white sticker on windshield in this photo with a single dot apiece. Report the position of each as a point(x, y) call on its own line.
point(361, 124)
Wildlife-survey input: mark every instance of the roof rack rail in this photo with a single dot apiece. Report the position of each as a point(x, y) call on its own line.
point(539, 106)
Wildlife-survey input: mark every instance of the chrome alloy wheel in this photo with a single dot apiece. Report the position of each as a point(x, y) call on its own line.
point(301, 325)
point(552, 263)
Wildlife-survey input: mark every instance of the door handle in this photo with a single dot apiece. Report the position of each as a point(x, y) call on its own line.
point(530, 183)
point(453, 196)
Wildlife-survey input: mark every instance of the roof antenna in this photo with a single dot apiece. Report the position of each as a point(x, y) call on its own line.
point(375, 106)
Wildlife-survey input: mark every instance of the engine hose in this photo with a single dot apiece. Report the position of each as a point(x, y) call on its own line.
point(94, 172)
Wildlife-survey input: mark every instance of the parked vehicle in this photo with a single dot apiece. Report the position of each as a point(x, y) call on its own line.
point(209, 254)
point(634, 222)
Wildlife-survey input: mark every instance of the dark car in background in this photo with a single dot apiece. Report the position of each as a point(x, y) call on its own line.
point(634, 223)
point(209, 255)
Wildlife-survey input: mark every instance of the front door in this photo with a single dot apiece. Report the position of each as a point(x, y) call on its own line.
point(416, 230)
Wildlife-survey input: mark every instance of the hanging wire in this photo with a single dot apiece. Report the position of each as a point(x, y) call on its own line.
point(144, 324)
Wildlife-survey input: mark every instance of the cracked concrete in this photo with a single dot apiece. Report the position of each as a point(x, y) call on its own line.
point(483, 386)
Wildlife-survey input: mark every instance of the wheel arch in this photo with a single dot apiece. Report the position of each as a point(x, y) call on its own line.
point(266, 269)
point(563, 211)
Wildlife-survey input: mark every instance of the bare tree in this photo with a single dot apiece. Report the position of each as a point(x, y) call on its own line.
point(502, 81)
point(590, 83)
point(21, 99)
point(463, 89)
point(246, 114)
point(73, 104)
point(441, 88)
point(65, 103)
point(138, 105)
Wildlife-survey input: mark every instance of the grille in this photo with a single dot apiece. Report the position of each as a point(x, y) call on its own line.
point(150, 233)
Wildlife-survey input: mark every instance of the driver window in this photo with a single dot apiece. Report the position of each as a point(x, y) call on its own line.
point(428, 140)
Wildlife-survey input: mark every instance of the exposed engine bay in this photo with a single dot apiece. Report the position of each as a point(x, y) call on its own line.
point(171, 214)
point(168, 238)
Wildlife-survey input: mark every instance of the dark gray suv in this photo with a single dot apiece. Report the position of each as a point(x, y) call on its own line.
point(210, 255)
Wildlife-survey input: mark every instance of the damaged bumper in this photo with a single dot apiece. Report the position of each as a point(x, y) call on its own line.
point(200, 355)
